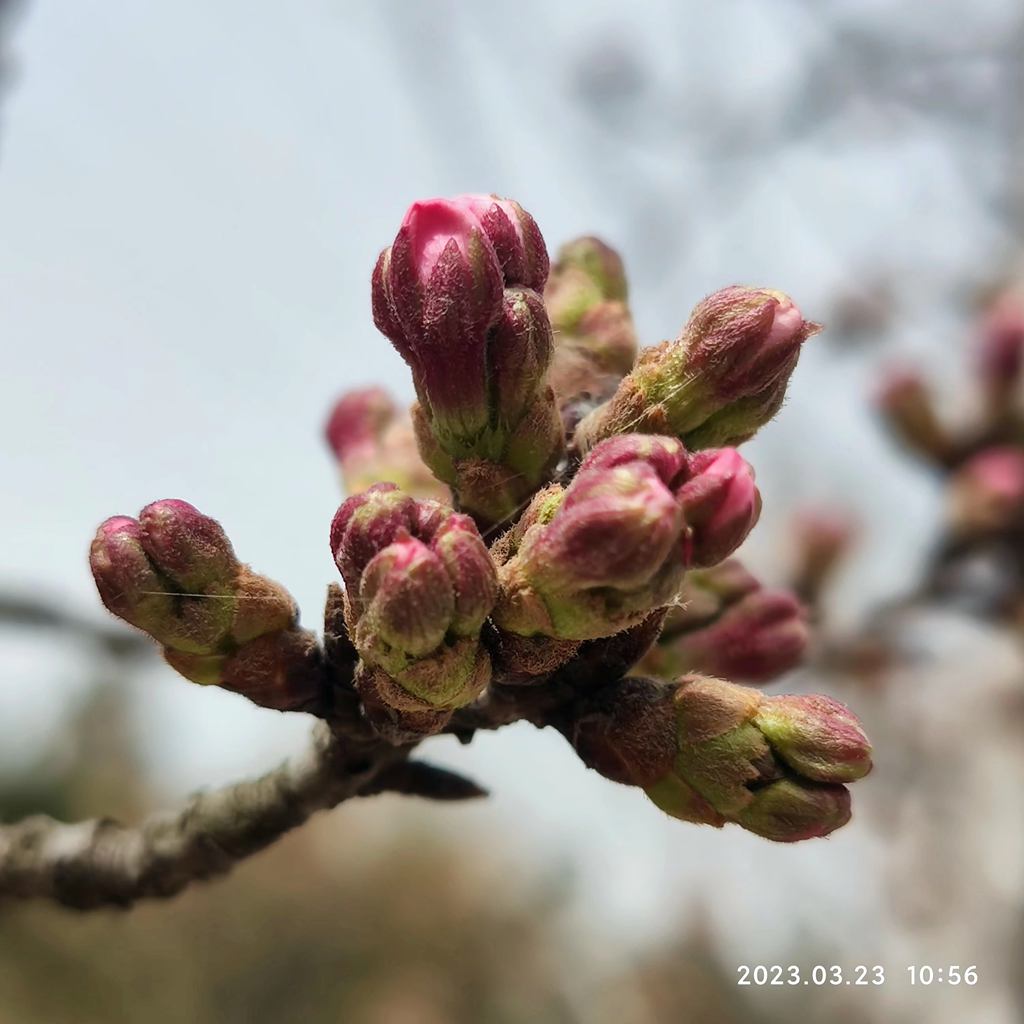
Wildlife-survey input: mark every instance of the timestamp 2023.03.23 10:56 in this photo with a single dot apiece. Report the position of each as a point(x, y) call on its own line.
point(862, 975)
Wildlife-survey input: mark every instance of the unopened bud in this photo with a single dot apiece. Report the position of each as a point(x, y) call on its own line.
point(822, 538)
point(711, 752)
point(611, 551)
point(720, 503)
point(722, 380)
point(456, 295)
point(906, 403)
point(1000, 355)
point(754, 640)
point(517, 240)
point(987, 493)
point(374, 442)
point(420, 585)
point(173, 574)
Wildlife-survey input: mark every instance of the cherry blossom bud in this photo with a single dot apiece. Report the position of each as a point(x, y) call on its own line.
point(605, 555)
point(1000, 354)
point(516, 238)
point(754, 640)
point(906, 403)
point(711, 752)
point(719, 383)
point(173, 574)
point(822, 538)
point(987, 493)
point(595, 340)
point(720, 503)
point(816, 736)
point(420, 585)
point(457, 295)
point(374, 443)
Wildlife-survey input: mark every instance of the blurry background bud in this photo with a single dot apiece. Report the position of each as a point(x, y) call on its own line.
point(773, 765)
point(753, 640)
point(720, 503)
point(595, 340)
point(607, 554)
point(1000, 352)
point(986, 494)
point(373, 441)
point(822, 537)
point(722, 380)
point(173, 574)
point(905, 402)
point(419, 586)
point(457, 294)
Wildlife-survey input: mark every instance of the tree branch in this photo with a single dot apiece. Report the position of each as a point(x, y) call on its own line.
point(103, 863)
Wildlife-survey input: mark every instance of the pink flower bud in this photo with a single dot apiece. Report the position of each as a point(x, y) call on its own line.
point(374, 443)
point(188, 546)
point(607, 554)
point(720, 503)
point(358, 420)
point(365, 524)
point(1000, 353)
point(906, 402)
point(420, 585)
point(173, 574)
point(719, 383)
point(456, 295)
point(406, 598)
point(516, 238)
point(129, 584)
point(987, 492)
point(816, 736)
point(754, 640)
point(822, 539)
point(711, 752)
point(436, 293)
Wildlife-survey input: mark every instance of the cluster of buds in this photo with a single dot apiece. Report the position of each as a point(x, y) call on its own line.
point(650, 501)
point(727, 624)
point(982, 458)
point(595, 341)
point(718, 383)
point(419, 585)
point(596, 557)
point(373, 441)
point(173, 574)
point(458, 293)
point(712, 752)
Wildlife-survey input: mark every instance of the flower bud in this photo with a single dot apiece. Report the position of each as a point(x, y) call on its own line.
point(722, 380)
point(1000, 355)
point(987, 493)
point(907, 406)
point(816, 736)
point(598, 262)
point(374, 443)
point(173, 574)
point(822, 538)
point(419, 586)
point(711, 752)
point(456, 295)
point(720, 504)
point(517, 240)
point(609, 551)
point(595, 340)
point(753, 640)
